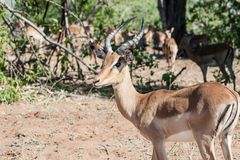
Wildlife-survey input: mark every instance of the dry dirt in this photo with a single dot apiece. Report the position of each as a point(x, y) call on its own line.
point(89, 127)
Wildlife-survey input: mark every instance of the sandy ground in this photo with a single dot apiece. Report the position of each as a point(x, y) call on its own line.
point(89, 127)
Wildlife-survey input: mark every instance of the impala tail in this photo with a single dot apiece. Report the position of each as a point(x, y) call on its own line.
point(229, 117)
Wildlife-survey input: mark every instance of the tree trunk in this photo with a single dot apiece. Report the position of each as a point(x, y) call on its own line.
point(172, 13)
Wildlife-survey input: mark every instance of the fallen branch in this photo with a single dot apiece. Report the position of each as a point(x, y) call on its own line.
point(15, 13)
point(180, 72)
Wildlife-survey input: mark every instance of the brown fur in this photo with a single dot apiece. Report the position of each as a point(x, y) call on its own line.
point(170, 48)
point(199, 41)
point(201, 112)
point(220, 53)
point(154, 38)
point(34, 35)
point(81, 35)
point(198, 109)
point(29, 31)
point(209, 49)
point(148, 37)
point(31, 34)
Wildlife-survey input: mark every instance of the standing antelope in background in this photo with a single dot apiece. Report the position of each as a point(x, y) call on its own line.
point(153, 37)
point(221, 53)
point(159, 39)
point(20, 29)
point(170, 48)
point(148, 36)
point(81, 35)
point(201, 112)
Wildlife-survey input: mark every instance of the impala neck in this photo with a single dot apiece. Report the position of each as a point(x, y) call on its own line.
point(126, 96)
point(189, 52)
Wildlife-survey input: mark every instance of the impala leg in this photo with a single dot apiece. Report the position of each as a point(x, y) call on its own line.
point(206, 146)
point(225, 74)
point(232, 75)
point(173, 58)
point(204, 72)
point(159, 149)
point(169, 62)
point(226, 146)
point(154, 155)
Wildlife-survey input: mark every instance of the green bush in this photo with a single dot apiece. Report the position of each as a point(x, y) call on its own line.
point(219, 19)
point(142, 58)
point(9, 89)
point(167, 80)
point(9, 94)
point(3, 41)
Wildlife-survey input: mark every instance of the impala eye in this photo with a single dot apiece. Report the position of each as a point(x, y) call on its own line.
point(118, 64)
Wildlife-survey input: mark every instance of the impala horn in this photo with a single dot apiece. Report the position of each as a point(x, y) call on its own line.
point(135, 40)
point(107, 46)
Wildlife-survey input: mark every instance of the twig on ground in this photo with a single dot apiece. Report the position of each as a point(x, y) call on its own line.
point(178, 74)
point(171, 148)
point(105, 149)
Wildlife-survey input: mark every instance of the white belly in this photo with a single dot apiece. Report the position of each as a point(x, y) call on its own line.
point(181, 136)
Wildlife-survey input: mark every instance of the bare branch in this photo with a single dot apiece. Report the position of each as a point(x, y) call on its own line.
point(180, 72)
point(45, 36)
point(58, 5)
point(46, 10)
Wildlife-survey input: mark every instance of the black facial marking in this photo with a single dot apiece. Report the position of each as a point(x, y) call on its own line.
point(120, 63)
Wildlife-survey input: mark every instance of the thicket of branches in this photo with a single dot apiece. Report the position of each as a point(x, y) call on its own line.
point(23, 62)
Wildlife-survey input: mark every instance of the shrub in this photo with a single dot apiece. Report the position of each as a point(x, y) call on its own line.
point(9, 94)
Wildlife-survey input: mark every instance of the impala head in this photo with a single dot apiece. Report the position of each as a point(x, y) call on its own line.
point(169, 32)
point(114, 66)
point(185, 41)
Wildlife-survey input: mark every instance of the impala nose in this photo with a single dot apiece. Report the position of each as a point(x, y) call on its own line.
point(96, 81)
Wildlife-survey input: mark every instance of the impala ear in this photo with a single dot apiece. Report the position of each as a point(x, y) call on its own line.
point(128, 55)
point(98, 51)
point(172, 29)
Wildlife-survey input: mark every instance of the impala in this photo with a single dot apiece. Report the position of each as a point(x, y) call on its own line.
point(201, 112)
point(148, 36)
point(81, 35)
point(220, 53)
point(153, 37)
point(170, 48)
point(198, 41)
point(34, 36)
point(158, 40)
